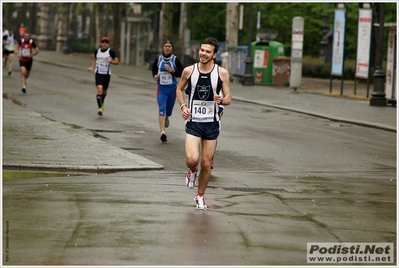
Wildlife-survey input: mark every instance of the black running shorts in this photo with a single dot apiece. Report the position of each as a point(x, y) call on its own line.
point(103, 79)
point(26, 64)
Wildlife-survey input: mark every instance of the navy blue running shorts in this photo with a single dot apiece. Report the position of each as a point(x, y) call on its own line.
point(206, 131)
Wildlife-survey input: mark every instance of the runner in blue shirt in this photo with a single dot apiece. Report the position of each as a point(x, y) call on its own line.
point(165, 69)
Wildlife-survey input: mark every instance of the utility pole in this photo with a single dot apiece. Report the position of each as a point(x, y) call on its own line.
point(240, 24)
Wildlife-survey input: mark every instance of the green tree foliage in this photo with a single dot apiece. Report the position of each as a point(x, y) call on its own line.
point(207, 20)
point(279, 16)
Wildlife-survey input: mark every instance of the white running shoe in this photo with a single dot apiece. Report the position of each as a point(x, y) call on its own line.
point(191, 177)
point(200, 202)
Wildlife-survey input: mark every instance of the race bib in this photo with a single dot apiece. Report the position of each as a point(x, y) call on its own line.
point(203, 111)
point(103, 63)
point(165, 78)
point(25, 52)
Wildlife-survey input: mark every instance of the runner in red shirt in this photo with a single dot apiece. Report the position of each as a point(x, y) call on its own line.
point(27, 49)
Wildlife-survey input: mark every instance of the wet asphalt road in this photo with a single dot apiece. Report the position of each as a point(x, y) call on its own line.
point(276, 186)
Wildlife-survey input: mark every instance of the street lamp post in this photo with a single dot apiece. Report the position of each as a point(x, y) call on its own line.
point(378, 96)
point(248, 78)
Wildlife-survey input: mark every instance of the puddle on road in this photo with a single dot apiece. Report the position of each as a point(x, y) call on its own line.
point(18, 175)
point(266, 111)
point(105, 131)
point(9, 96)
point(339, 125)
point(132, 149)
point(97, 131)
point(73, 126)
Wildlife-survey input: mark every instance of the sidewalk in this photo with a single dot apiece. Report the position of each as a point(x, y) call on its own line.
point(33, 142)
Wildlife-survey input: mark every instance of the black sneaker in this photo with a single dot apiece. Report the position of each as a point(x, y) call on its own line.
point(9, 73)
point(23, 90)
point(163, 137)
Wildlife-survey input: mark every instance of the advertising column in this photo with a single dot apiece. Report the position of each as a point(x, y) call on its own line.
point(337, 62)
point(296, 52)
point(363, 43)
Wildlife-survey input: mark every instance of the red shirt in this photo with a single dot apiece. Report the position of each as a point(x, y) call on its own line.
point(21, 31)
point(26, 48)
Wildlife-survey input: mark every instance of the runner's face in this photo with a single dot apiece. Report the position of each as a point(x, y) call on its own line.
point(104, 44)
point(167, 49)
point(206, 53)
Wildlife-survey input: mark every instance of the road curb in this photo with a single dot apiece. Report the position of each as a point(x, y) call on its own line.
point(325, 116)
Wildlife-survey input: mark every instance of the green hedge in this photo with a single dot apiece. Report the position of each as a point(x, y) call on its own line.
point(82, 46)
point(316, 68)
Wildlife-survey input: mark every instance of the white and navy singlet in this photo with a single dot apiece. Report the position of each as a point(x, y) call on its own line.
point(202, 88)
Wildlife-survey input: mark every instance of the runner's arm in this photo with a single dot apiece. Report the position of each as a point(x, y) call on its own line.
point(224, 76)
point(180, 91)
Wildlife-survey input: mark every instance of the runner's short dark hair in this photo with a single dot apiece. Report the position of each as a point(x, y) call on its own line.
point(211, 41)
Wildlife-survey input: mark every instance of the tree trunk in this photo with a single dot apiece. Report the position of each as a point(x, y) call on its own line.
point(61, 27)
point(46, 26)
point(99, 10)
point(168, 21)
point(22, 17)
point(117, 15)
point(8, 20)
point(231, 24)
point(92, 30)
point(182, 27)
